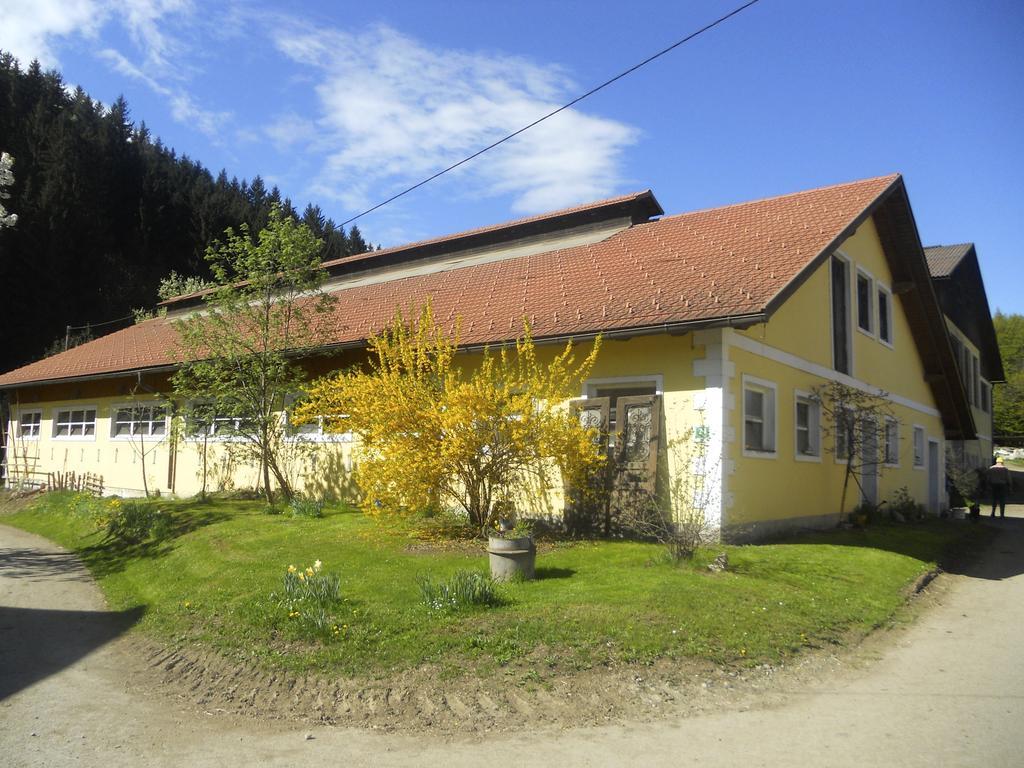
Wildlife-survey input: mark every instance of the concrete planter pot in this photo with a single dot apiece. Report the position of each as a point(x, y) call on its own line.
point(512, 558)
point(958, 513)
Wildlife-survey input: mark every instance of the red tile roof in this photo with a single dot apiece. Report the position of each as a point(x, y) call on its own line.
point(701, 268)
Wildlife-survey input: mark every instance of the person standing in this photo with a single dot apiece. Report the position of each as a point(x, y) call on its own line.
point(999, 481)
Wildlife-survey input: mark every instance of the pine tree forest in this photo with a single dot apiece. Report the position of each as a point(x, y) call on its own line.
point(104, 212)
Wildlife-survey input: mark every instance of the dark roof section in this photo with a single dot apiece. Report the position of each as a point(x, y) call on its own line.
point(943, 259)
point(956, 276)
point(634, 208)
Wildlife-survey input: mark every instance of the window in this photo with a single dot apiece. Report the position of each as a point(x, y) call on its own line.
point(840, 315)
point(976, 380)
point(614, 392)
point(884, 316)
point(808, 427)
point(986, 397)
point(845, 434)
point(758, 416)
point(203, 421)
point(323, 428)
point(958, 350)
point(139, 420)
point(918, 446)
point(864, 304)
point(892, 442)
point(28, 424)
point(75, 423)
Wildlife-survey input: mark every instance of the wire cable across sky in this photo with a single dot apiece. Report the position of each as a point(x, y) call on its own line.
point(552, 113)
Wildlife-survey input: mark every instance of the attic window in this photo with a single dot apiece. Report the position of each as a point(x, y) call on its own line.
point(841, 341)
point(884, 316)
point(864, 302)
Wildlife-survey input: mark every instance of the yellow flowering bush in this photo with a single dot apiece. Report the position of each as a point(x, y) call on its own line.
point(433, 434)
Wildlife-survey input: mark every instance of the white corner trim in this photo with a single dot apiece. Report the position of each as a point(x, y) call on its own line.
point(793, 361)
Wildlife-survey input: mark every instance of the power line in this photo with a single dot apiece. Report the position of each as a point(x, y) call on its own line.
point(554, 112)
point(97, 325)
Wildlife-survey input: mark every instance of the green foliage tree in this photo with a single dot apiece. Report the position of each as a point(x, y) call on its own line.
point(482, 438)
point(6, 180)
point(238, 356)
point(1008, 398)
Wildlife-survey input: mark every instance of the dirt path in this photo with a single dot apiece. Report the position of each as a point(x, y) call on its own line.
point(947, 691)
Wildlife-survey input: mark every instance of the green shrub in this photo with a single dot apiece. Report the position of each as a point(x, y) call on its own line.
point(132, 522)
point(904, 504)
point(465, 589)
point(302, 506)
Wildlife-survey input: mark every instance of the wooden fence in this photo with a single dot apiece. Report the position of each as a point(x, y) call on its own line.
point(86, 482)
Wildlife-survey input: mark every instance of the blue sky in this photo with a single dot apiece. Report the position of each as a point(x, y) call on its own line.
point(346, 103)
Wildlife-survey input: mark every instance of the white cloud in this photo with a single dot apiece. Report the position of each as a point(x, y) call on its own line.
point(393, 111)
point(33, 28)
point(182, 105)
point(29, 28)
point(144, 20)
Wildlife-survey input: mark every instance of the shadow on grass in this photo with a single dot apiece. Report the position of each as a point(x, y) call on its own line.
point(547, 572)
point(109, 556)
point(35, 644)
point(984, 549)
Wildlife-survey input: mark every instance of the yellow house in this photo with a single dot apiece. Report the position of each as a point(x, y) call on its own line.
point(724, 320)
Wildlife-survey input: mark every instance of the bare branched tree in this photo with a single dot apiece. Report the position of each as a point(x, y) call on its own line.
point(855, 425)
point(677, 516)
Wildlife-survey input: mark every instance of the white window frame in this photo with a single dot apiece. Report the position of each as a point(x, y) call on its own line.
point(919, 430)
point(891, 422)
point(83, 438)
point(769, 421)
point(16, 434)
point(319, 436)
point(162, 405)
point(872, 320)
point(814, 425)
point(212, 434)
point(883, 290)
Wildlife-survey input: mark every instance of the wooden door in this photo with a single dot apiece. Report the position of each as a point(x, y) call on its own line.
point(629, 477)
point(634, 469)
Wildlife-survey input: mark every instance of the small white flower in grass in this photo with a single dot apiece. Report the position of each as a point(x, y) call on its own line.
point(317, 566)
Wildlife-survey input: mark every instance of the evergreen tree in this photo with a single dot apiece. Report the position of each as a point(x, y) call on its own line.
point(105, 211)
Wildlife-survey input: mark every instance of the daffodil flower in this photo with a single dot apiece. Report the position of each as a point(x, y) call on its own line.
point(292, 569)
point(317, 565)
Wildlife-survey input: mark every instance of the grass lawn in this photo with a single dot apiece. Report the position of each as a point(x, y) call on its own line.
point(211, 582)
